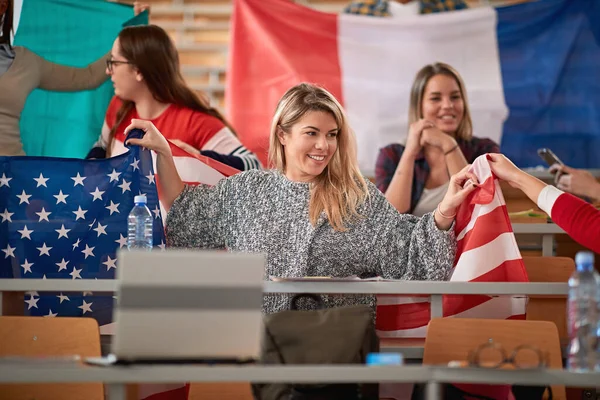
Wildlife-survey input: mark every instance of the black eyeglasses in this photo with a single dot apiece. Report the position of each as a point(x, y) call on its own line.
point(111, 63)
point(493, 355)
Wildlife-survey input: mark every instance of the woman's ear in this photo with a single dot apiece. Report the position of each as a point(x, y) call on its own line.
point(138, 75)
point(281, 136)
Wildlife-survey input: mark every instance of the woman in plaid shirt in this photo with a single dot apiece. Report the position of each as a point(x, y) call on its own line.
point(440, 143)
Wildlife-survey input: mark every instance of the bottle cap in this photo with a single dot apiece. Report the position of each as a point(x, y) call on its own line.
point(140, 199)
point(584, 260)
point(384, 359)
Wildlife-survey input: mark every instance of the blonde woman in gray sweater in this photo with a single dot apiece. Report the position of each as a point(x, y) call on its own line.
point(313, 214)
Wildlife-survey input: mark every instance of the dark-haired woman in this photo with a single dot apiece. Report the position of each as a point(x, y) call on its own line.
point(144, 69)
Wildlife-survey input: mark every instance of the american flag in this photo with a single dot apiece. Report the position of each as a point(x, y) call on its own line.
point(65, 219)
point(487, 252)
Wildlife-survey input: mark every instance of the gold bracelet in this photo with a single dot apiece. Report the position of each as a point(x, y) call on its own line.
point(442, 214)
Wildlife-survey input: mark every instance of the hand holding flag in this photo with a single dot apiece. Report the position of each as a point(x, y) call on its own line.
point(152, 138)
point(459, 188)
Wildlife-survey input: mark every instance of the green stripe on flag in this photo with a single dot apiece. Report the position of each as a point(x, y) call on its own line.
point(74, 33)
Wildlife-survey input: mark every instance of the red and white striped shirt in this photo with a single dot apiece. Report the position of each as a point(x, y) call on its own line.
point(201, 131)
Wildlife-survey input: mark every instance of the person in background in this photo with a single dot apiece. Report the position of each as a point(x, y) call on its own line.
point(440, 143)
point(313, 214)
point(578, 181)
point(388, 8)
point(577, 218)
point(144, 69)
point(22, 71)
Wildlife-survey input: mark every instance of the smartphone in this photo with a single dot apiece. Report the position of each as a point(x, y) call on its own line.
point(549, 157)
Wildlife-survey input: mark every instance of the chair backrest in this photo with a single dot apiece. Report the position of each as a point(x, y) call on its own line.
point(451, 339)
point(50, 337)
point(544, 308)
point(220, 391)
point(549, 269)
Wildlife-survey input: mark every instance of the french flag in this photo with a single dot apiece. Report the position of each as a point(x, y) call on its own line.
point(367, 63)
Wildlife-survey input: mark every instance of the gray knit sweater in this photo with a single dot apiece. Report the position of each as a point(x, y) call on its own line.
point(264, 212)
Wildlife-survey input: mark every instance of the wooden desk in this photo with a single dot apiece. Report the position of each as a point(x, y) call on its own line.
point(116, 377)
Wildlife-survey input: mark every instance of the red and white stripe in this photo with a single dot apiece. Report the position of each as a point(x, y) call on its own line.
point(193, 169)
point(487, 251)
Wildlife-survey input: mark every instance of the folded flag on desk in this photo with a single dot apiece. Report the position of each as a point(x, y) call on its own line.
point(66, 218)
point(487, 251)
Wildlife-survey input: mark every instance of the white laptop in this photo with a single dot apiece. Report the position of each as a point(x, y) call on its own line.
point(187, 306)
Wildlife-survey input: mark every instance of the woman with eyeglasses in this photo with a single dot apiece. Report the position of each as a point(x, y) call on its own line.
point(579, 219)
point(144, 69)
point(22, 71)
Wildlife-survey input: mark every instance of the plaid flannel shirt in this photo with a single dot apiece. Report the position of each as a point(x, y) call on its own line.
point(389, 157)
point(379, 8)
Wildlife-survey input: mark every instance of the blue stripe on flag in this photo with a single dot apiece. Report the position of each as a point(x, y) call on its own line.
point(550, 57)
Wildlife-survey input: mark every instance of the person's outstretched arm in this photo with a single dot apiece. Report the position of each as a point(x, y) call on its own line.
point(413, 248)
point(576, 217)
point(62, 78)
point(580, 220)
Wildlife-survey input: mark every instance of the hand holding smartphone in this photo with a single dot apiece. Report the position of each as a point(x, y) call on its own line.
point(549, 156)
point(551, 159)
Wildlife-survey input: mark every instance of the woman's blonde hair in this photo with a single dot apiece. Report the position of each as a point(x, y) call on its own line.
point(340, 188)
point(415, 112)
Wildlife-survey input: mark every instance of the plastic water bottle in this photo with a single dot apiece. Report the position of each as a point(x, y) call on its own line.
point(582, 314)
point(139, 225)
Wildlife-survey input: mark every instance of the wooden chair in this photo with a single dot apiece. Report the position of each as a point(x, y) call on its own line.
point(38, 336)
point(220, 391)
point(451, 339)
point(547, 308)
point(12, 303)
